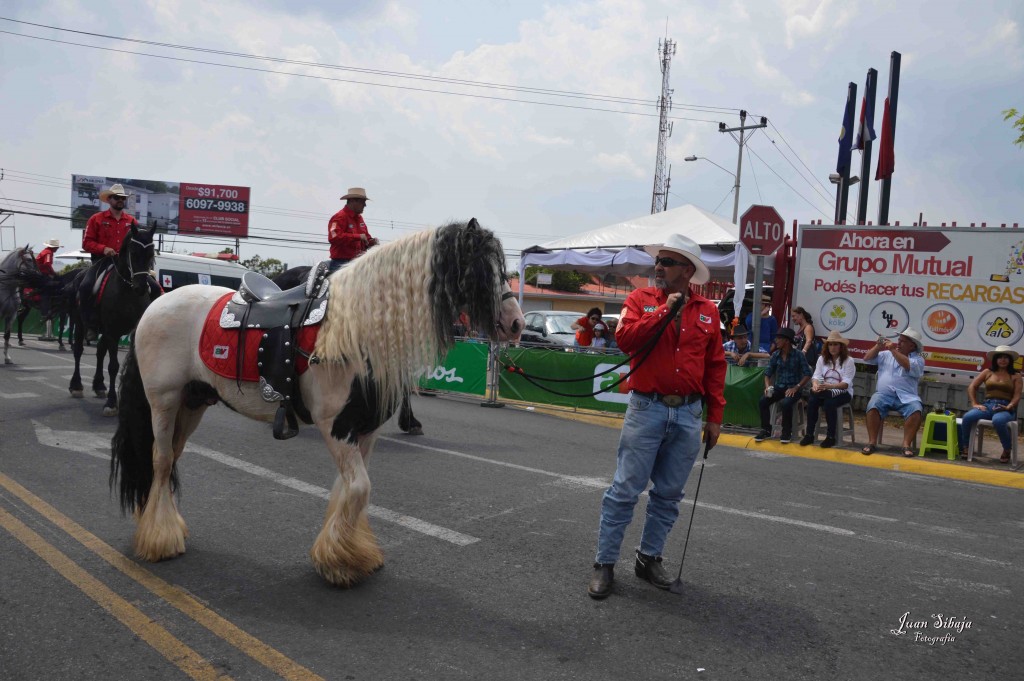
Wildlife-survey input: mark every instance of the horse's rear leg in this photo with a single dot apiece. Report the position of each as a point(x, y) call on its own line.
point(110, 406)
point(346, 550)
point(7, 342)
point(99, 386)
point(22, 315)
point(161, 531)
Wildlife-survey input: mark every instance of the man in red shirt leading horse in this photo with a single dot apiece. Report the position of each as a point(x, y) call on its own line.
point(661, 432)
point(347, 230)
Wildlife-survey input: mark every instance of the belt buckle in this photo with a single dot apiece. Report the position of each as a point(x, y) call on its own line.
point(672, 400)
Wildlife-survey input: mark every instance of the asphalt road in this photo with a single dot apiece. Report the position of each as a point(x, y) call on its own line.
point(796, 569)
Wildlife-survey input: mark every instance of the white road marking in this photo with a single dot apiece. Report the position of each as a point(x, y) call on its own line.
point(98, 446)
point(17, 396)
point(844, 496)
point(42, 381)
point(864, 516)
point(771, 456)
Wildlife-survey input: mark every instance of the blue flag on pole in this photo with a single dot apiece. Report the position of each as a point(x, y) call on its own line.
point(846, 136)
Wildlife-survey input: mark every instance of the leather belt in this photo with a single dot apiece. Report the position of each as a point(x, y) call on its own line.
point(672, 400)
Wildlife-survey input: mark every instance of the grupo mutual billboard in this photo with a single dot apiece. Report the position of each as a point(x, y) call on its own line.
point(171, 207)
point(962, 288)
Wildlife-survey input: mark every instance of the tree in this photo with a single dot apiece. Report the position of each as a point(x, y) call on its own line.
point(1017, 124)
point(271, 267)
point(570, 282)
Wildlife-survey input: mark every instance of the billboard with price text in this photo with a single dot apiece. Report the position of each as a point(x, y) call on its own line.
point(961, 288)
point(169, 207)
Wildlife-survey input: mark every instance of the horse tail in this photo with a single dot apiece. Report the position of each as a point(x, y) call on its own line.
point(131, 450)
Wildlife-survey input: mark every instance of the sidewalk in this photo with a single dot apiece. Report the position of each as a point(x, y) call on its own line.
point(985, 468)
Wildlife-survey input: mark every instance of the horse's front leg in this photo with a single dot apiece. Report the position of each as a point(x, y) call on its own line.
point(22, 315)
point(99, 387)
point(75, 387)
point(63, 318)
point(7, 342)
point(113, 365)
point(346, 549)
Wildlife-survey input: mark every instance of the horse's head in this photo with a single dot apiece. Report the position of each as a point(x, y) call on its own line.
point(135, 259)
point(26, 259)
point(468, 268)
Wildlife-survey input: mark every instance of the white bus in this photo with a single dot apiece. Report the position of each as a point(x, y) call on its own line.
point(174, 270)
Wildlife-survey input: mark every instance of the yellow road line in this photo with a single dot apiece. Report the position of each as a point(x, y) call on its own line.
point(179, 654)
point(270, 658)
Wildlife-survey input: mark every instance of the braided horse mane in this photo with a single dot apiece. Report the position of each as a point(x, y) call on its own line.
point(391, 311)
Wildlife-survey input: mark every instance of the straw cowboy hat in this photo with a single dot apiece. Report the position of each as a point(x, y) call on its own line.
point(356, 193)
point(836, 337)
point(115, 190)
point(1004, 350)
point(688, 248)
point(914, 336)
point(52, 243)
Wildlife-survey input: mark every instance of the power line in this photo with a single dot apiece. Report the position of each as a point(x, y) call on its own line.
point(758, 157)
point(782, 137)
point(393, 74)
point(349, 80)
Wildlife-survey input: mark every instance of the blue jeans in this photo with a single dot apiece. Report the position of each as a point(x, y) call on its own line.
point(1000, 421)
point(831, 406)
point(658, 444)
point(337, 264)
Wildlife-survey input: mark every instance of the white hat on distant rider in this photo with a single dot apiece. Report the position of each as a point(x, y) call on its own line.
point(52, 243)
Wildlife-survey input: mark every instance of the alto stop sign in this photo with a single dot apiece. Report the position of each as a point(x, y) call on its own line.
point(762, 230)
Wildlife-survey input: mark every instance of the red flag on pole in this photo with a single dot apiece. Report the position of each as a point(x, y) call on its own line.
point(886, 150)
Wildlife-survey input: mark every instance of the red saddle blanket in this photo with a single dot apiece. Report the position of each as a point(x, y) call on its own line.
point(218, 347)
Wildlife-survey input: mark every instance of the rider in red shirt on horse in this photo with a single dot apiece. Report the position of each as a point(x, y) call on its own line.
point(44, 261)
point(347, 230)
point(104, 233)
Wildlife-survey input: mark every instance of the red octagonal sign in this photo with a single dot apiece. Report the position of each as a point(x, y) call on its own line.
point(762, 230)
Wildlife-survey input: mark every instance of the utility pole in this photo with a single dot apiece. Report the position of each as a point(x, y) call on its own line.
point(659, 198)
point(739, 161)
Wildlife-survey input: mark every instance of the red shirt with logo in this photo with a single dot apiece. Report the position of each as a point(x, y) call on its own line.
point(684, 361)
point(585, 334)
point(103, 229)
point(44, 261)
point(344, 231)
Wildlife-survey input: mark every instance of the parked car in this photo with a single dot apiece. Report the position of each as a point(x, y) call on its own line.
point(725, 309)
point(551, 327)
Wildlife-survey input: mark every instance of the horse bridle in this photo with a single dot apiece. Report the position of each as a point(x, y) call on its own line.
point(130, 279)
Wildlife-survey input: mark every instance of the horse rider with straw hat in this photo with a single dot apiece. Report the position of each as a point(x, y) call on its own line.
point(661, 432)
point(347, 232)
point(44, 261)
point(104, 233)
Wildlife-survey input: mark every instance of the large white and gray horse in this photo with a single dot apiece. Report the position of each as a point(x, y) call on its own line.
point(389, 313)
point(14, 263)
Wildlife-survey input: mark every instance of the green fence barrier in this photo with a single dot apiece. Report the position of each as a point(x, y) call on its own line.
point(743, 385)
point(464, 370)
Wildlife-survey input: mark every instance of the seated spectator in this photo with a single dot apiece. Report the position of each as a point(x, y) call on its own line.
point(584, 327)
point(769, 326)
point(738, 351)
point(599, 341)
point(1002, 395)
point(900, 368)
point(613, 325)
point(786, 375)
point(831, 388)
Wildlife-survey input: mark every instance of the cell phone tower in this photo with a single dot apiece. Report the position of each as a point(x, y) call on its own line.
point(663, 176)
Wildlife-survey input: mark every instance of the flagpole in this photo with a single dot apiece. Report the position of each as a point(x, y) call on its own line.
point(844, 182)
point(894, 89)
point(865, 157)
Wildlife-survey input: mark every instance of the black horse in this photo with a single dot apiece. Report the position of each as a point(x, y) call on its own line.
point(54, 300)
point(124, 296)
point(296, 276)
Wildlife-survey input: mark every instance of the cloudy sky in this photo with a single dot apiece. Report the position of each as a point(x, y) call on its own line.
point(550, 129)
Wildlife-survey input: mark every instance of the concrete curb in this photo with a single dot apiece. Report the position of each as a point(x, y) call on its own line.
point(920, 466)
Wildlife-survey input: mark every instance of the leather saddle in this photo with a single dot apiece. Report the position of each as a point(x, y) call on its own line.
point(260, 305)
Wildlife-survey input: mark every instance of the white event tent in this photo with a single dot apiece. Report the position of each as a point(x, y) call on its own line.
point(618, 248)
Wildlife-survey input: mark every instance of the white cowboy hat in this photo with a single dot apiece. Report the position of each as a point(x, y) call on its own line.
point(914, 336)
point(52, 243)
point(688, 248)
point(1003, 350)
point(115, 190)
point(355, 193)
point(836, 337)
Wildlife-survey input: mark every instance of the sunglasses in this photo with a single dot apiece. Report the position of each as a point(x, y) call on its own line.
point(670, 262)
point(118, 198)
